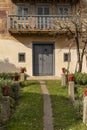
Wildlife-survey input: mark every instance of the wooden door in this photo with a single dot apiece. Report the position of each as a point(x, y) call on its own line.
point(43, 59)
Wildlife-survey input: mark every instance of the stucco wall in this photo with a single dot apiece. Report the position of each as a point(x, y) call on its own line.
point(9, 50)
point(10, 45)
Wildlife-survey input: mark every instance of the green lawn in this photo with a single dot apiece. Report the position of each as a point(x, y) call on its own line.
point(63, 112)
point(29, 112)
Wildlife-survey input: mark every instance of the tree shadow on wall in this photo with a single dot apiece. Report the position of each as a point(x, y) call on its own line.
point(6, 66)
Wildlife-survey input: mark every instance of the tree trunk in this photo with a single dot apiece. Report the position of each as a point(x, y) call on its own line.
point(78, 51)
point(78, 55)
point(80, 66)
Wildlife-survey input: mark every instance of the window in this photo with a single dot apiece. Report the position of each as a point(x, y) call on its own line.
point(67, 57)
point(43, 10)
point(21, 57)
point(64, 10)
point(23, 10)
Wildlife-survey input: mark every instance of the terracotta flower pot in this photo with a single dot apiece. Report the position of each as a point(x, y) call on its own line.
point(63, 70)
point(16, 78)
point(85, 92)
point(6, 91)
point(71, 78)
point(22, 70)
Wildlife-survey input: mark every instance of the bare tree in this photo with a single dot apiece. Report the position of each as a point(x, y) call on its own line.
point(76, 27)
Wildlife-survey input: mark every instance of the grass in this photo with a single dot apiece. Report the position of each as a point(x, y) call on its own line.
point(63, 113)
point(29, 112)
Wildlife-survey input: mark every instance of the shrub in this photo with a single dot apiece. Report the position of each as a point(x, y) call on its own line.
point(12, 104)
point(14, 87)
point(78, 107)
point(9, 76)
point(84, 79)
point(78, 103)
point(14, 92)
point(80, 78)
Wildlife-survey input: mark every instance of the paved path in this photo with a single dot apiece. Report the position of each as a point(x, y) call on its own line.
point(48, 120)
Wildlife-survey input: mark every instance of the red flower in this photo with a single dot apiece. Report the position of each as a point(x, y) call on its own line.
point(85, 92)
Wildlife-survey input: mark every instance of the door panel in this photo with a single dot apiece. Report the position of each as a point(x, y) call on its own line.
point(37, 60)
point(43, 59)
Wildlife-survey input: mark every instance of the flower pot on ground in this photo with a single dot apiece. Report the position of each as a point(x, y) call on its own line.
point(6, 91)
point(23, 69)
point(71, 77)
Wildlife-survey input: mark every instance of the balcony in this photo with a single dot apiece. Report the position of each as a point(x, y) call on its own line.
point(37, 23)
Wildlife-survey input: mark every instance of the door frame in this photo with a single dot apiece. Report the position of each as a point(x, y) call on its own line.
point(43, 43)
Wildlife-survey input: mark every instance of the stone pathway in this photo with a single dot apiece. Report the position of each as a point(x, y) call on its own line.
point(48, 120)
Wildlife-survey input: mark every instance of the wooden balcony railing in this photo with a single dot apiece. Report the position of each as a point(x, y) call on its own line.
point(37, 23)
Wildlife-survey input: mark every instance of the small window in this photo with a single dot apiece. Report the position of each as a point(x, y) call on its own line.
point(21, 57)
point(67, 57)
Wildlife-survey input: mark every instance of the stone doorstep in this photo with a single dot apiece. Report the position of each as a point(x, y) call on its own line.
point(43, 78)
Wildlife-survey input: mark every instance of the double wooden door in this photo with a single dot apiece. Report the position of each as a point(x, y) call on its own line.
point(43, 59)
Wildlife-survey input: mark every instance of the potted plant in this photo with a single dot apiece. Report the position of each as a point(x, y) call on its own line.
point(16, 77)
point(22, 69)
point(63, 70)
point(71, 77)
point(85, 92)
point(6, 88)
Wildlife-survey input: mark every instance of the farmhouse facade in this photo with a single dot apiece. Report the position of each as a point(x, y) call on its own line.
point(30, 36)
